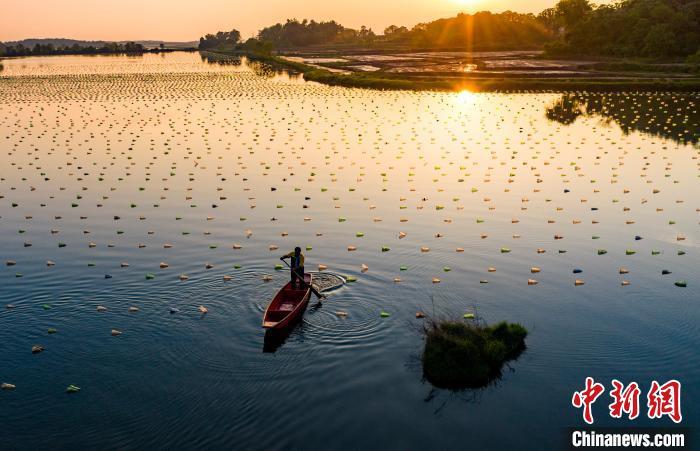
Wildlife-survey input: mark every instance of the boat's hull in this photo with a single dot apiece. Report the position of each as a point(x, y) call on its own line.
point(287, 307)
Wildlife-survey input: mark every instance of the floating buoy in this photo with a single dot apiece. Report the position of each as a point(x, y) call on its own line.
point(72, 389)
point(133, 309)
point(681, 283)
point(420, 315)
point(101, 308)
point(384, 314)
point(364, 268)
point(203, 309)
point(469, 316)
point(37, 349)
point(6, 386)
point(531, 282)
point(535, 270)
point(341, 314)
point(436, 280)
point(116, 332)
point(322, 267)
point(578, 282)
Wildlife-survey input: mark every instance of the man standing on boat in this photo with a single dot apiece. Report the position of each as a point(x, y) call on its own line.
point(297, 266)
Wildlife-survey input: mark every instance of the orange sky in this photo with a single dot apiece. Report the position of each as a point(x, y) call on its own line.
point(185, 20)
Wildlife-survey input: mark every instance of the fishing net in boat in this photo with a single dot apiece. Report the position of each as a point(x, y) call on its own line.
point(326, 281)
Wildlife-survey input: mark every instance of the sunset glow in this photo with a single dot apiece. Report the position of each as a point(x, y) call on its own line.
point(184, 20)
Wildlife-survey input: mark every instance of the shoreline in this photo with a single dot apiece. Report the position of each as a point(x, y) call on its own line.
point(152, 51)
point(375, 80)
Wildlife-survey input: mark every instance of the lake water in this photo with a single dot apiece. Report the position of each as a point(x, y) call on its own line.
point(106, 160)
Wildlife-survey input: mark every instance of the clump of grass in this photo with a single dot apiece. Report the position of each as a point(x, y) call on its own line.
point(460, 355)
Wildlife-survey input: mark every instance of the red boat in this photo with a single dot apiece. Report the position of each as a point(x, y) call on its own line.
point(287, 306)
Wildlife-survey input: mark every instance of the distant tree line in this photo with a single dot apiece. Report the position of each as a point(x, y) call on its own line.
point(635, 28)
point(75, 49)
point(291, 34)
point(294, 33)
point(639, 28)
point(231, 40)
point(222, 38)
point(480, 30)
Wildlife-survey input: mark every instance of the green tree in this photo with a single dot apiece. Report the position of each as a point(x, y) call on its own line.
point(659, 41)
point(549, 19)
point(572, 12)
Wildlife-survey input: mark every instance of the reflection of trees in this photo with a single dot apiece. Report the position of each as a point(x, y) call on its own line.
point(221, 60)
point(259, 67)
point(565, 110)
point(671, 116)
point(264, 69)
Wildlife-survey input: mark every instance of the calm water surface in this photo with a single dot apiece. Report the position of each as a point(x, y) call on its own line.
point(106, 160)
